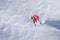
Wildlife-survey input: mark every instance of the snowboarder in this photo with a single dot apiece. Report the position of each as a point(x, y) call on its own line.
point(35, 19)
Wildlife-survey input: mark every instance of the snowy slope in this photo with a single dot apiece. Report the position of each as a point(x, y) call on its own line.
point(15, 24)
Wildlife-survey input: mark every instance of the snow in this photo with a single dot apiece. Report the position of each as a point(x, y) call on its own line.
point(16, 25)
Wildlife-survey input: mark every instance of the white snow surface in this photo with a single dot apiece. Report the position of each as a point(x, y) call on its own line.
point(16, 25)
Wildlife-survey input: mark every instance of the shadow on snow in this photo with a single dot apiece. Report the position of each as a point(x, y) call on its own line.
point(55, 24)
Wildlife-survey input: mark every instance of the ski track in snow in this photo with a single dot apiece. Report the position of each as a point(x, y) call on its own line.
point(15, 24)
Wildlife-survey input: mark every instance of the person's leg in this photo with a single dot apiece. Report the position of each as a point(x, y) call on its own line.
point(39, 21)
point(34, 21)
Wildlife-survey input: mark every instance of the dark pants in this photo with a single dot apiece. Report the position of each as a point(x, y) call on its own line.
point(34, 21)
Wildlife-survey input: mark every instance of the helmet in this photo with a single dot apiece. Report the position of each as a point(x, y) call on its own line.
point(30, 17)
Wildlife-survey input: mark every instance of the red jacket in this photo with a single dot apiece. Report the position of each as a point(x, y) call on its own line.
point(35, 17)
